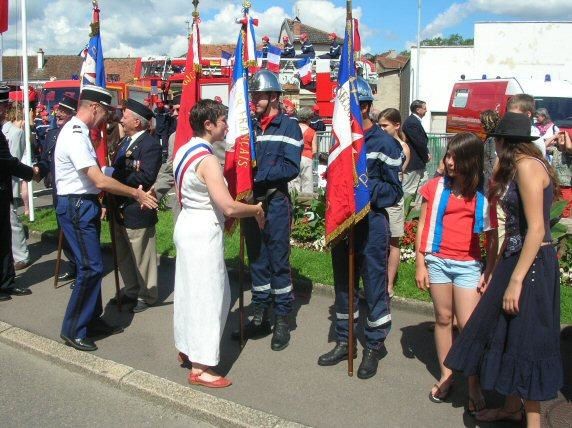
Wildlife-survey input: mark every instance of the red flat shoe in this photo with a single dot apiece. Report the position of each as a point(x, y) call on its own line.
point(221, 382)
point(184, 360)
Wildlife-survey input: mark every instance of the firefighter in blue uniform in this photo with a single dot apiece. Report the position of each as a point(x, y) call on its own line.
point(307, 47)
point(289, 51)
point(335, 48)
point(78, 182)
point(384, 158)
point(278, 153)
point(45, 169)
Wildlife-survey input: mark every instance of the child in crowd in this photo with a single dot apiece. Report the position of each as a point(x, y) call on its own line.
point(454, 213)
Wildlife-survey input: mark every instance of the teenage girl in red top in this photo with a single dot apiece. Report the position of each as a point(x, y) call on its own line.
point(454, 212)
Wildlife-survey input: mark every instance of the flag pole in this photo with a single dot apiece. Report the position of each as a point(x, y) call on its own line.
point(351, 243)
point(28, 158)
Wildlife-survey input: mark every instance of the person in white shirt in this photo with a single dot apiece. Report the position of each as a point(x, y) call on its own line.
point(79, 180)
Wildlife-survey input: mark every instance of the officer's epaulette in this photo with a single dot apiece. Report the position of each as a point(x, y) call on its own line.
point(76, 129)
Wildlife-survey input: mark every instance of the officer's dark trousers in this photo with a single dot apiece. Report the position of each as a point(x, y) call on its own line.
point(6, 260)
point(79, 219)
point(371, 253)
point(269, 255)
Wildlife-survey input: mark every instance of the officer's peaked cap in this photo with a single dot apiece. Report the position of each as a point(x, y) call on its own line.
point(96, 94)
point(69, 103)
point(4, 94)
point(265, 81)
point(141, 109)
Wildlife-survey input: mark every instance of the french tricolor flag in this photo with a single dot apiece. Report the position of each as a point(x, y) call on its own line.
point(304, 70)
point(225, 58)
point(273, 58)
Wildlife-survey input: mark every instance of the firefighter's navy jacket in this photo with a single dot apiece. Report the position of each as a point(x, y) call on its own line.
point(335, 50)
point(289, 51)
point(308, 49)
point(384, 159)
point(278, 153)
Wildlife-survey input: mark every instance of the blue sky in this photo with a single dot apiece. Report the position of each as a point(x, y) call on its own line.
point(154, 27)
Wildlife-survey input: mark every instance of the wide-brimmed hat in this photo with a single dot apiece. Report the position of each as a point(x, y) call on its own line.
point(514, 126)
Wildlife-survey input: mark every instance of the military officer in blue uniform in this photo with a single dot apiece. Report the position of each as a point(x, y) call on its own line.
point(137, 163)
point(307, 47)
point(278, 154)
point(9, 166)
point(384, 158)
point(79, 180)
point(45, 169)
point(288, 51)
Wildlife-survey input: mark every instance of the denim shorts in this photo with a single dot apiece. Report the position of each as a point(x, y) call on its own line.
point(460, 273)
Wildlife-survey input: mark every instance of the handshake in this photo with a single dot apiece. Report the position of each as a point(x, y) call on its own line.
point(37, 174)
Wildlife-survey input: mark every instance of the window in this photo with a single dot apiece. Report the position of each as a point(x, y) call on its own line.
point(461, 98)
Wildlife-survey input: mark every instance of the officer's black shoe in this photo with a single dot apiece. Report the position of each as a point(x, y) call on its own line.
point(66, 276)
point(281, 333)
point(258, 326)
point(81, 344)
point(336, 355)
point(4, 296)
point(369, 362)
point(18, 291)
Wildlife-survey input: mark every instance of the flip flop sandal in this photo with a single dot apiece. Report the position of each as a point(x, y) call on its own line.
point(477, 405)
point(441, 394)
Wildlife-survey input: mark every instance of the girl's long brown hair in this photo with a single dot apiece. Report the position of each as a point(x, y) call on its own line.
point(506, 168)
point(393, 115)
point(467, 151)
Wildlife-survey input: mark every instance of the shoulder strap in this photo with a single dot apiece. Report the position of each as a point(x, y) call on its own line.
point(193, 155)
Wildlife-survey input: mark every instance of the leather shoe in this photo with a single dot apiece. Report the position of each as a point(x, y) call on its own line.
point(336, 355)
point(66, 276)
point(17, 291)
point(72, 285)
point(140, 307)
point(5, 296)
point(125, 300)
point(369, 362)
point(21, 265)
point(258, 326)
point(81, 344)
point(281, 333)
point(99, 327)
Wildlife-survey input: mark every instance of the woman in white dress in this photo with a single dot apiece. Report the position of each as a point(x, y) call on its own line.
point(202, 292)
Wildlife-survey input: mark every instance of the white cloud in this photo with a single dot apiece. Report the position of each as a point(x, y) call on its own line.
point(523, 9)
point(154, 27)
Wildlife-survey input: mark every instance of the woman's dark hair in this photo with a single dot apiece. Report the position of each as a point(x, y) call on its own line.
point(392, 115)
point(205, 110)
point(506, 168)
point(467, 151)
point(490, 120)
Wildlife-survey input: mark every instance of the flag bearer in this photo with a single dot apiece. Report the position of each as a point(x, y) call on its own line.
point(384, 157)
point(278, 153)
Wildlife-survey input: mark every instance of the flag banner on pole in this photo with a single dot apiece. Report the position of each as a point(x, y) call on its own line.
point(249, 52)
point(3, 16)
point(259, 60)
point(190, 94)
point(273, 58)
point(240, 137)
point(93, 73)
point(357, 38)
point(347, 195)
point(225, 58)
point(304, 70)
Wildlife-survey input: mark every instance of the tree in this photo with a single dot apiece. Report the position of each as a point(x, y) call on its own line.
point(452, 40)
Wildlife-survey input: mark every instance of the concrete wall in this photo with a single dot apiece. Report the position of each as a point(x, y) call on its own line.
point(388, 91)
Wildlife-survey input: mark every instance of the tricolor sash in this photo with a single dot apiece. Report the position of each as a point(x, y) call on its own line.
point(192, 156)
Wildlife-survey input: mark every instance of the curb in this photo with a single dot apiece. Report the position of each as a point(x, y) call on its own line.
point(402, 303)
point(206, 407)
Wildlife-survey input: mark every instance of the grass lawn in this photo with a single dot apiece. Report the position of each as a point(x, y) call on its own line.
point(306, 264)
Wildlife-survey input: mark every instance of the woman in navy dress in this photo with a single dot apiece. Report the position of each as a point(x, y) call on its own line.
point(512, 340)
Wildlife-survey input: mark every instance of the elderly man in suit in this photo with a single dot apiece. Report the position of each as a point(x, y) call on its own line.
point(9, 166)
point(136, 164)
point(417, 141)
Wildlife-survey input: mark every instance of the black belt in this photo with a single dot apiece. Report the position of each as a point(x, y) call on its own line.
point(88, 196)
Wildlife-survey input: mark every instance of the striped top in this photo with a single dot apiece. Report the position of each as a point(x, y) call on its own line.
point(452, 224)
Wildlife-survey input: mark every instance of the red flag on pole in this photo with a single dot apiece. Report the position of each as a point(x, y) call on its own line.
point(190, 94)
point(3, 15)
point(357, 38)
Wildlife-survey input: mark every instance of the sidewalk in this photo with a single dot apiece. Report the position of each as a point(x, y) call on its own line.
point(288, 384)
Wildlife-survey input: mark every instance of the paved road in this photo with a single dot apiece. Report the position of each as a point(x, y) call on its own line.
point(36, 392)
point(288, 384)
